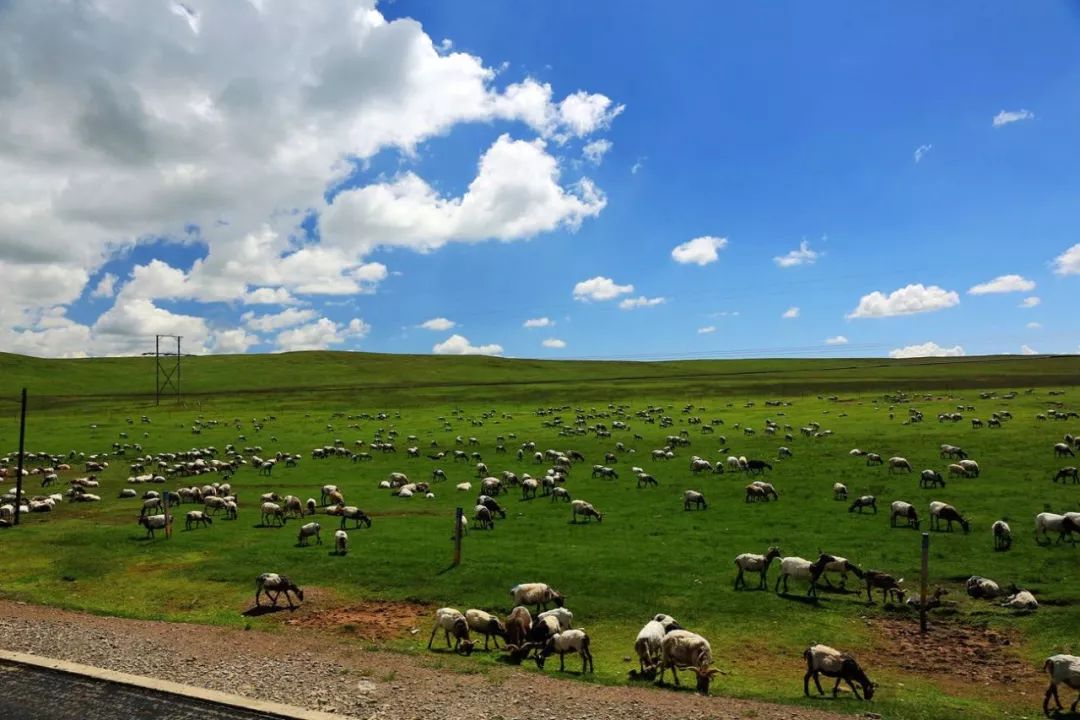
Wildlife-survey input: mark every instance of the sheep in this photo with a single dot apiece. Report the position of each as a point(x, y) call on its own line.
point(841, 566)
point(873, 459)
point(839, 491)
point(824, 660)
point(529, 486)
point(518, 625)
point(1045, 522)
point(1002, 535)
point(932, 478)
point(154, 522)
point(196, 518)
point(128, 493)
point(487, 625)
point(1066, 473)
point(463, 487)
point(293, 507)
point(647, 645)
point(942, 511)
point(757, 467)
point(272, 513)
point(311, 505)
point(341, 542)
point(1021, 600)
point(482, 518)
point(905, 510)
point(1062, 449)
point(981, 588)
point(585, 509)
point(351, 512)
point(689, 651)
point(784, 452)
point(450, 621)
point(898, 464)
point(693, 497)
point(971, 468)
point(755, 492)
point(884, 582)
point(560, 493)
point(150, 505)
point(230, 509)
point(750, 562)
point(567, 641)
point(1062, 669)
point(306, 531)
point(864, 501)
point(803, 569)
point(273, 585)
point(538, 594)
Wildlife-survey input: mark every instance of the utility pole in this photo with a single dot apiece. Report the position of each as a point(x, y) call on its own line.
point(22, 452)
point(459, 515)
point(925, 574)
point(166, 370)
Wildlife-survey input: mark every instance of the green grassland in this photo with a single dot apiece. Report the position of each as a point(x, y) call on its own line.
point(647, 555)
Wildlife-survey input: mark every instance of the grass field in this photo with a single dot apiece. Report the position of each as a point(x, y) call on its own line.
point(647, 555)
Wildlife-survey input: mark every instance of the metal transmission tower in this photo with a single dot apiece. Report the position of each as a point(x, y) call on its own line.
point(167, 372)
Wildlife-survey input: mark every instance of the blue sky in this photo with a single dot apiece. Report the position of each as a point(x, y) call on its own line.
point(351, 171)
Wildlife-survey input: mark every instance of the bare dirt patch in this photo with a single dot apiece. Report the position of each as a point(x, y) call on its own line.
point(375, 621)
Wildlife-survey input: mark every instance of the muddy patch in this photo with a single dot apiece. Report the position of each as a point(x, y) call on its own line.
point(374, 621)
point(953, 650)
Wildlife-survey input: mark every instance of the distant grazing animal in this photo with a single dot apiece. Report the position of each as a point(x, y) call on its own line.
point(905, 510)
point(1002, 535)
point(1066, 473)
point(863, 502)
point(690, 651)
point(931, 479)
point(750, 562)
point(899, 464)
point(694, 498)
point(1063, 670)
point(839, 491)
point(451, 621)
point(273, 585)
point(824, 660)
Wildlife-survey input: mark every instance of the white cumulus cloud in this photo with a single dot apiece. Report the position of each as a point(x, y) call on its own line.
point(1030, 302)
point(277, 321)
point(599, 289)
point(1010, 116)
point(699, 251)
point(321, 334)
point(791, 313)
point(460, 345)
point(1068, 262)
point(641, 302)
point(927, 349)
point(234, 341)
point(836, 340)
point(706, 330)
point(1033, 326)
point(908, 300)
point(594, 151)
point(540, 322)
point(802, 255)
point(1028, 350)
point(555, 343)
point(1003, 284)
point(105, 286)
point(440, 324)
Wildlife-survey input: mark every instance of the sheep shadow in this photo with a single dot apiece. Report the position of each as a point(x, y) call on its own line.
point(260, 610)
point(1063, 715)
point(803, 599)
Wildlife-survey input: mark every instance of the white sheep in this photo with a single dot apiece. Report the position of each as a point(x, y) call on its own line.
point(1046, 522)
point(1062, 669)
point(272, 513)
point(647, 645)
point(1021, 600)
point(154, 522)
point(450, 621)
point(307, 530)
point(897, 464)
point(341, 542)
point(695, 498)
point(751, 562)
point(275, 584)
point(982, 588)
point(839, 491)
point(1002, 535)
point(464, 487)
point(827, 661)
point(486, 624)
point(585, 509)
point(195, 518)
point(538, 594)
point(690, 651)
point(567, 641)
point(563, 615)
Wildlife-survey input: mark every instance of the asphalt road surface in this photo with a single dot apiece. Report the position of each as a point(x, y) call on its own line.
point(29, 693)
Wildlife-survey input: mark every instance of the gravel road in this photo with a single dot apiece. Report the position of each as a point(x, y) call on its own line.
point(323, 671)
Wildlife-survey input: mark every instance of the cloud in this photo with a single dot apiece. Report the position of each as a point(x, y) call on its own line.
point(1003, 284)
point(1033, 326)
point(459, 345)
point(600, 288)
point(1068, 262)
point(921, 151)
point(541, 322)
point(699, 251)
point(278, 321)
point(440, 324)
point(1027, 350)
point(928, 349)
point(791, 313)
point(915, 298)
point(555, 343)
point(105, 286)
point(234, 341)
point(1010, 116)
point(269, 296)
point(706, 330)
point(638, 165)
point(594, 152)
point(801, 256)
point(836, 340)
point(726, 313)
point(1030, 302)
point(321, 334)
point(641, 302)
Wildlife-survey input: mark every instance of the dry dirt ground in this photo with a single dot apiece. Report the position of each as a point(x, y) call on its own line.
point(323, 659)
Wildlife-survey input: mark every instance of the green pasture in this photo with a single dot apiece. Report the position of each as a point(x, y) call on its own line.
point(647, 556)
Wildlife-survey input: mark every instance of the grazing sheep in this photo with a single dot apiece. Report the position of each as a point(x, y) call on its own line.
point(824, 660)
point(450, 621)
point(586, 510)
point(128, 493)
point(529, 486)
point(1062, 524)
point(647, 645)
point(750, 562)
point(693, 497)
point(341, 542)
point(518, 625)
point(1002, 535)
point(905, 510)
point(689, 651)
point(1062, 669)
point(487, 625)
point(567, 641)
point(559, 493)
point(757, 467)
point(875, 579)
point(154, 522)
point(899, 464)
point(311, 505)
point(562, 615)
point(645, 479)
point(272, 513)
point(482, 518)
point(1021, 600)
point(463, 487)
point(931, 479)
point(982, 588)
point(538, 594)
point(802, 569)
point(971, 468)
point(196, 518)
point(293, 507)
point(864, 501)
point(308, 530)
point(1062, 450)
point(273, 585)
point(942, 511)
point(1066, 473)
point(873, 459)
point(150, 505)
point(839, 491)
point(351, 512)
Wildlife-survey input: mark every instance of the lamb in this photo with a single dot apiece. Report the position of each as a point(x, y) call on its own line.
point(839, 491)
point(864, 501)
point(487, 625)
point(898, 464)
point(693, 497)
point(196, 518)
point(341, 542)
point(884, 582)
point(1002, 535)
point(824, 660)
point(942, 511)
point(689, 651)
point(450, 621)
point(931, 479)
point(567, 641)
point(563, 615)
point(273, 585)
point(580, 507)
point(307, 530)
point(154, 522)
point(904, 510)
point(1062, 669)
point(1021, 600)
point(981, 588)
point(538, 594)
point(647, 645)
point(351, 512)
point(272, 513)
point(750, 562)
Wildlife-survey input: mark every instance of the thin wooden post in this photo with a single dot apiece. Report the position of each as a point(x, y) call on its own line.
point(924, 578)
point(168, 526)
point(459, 515)
point(19, 469)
